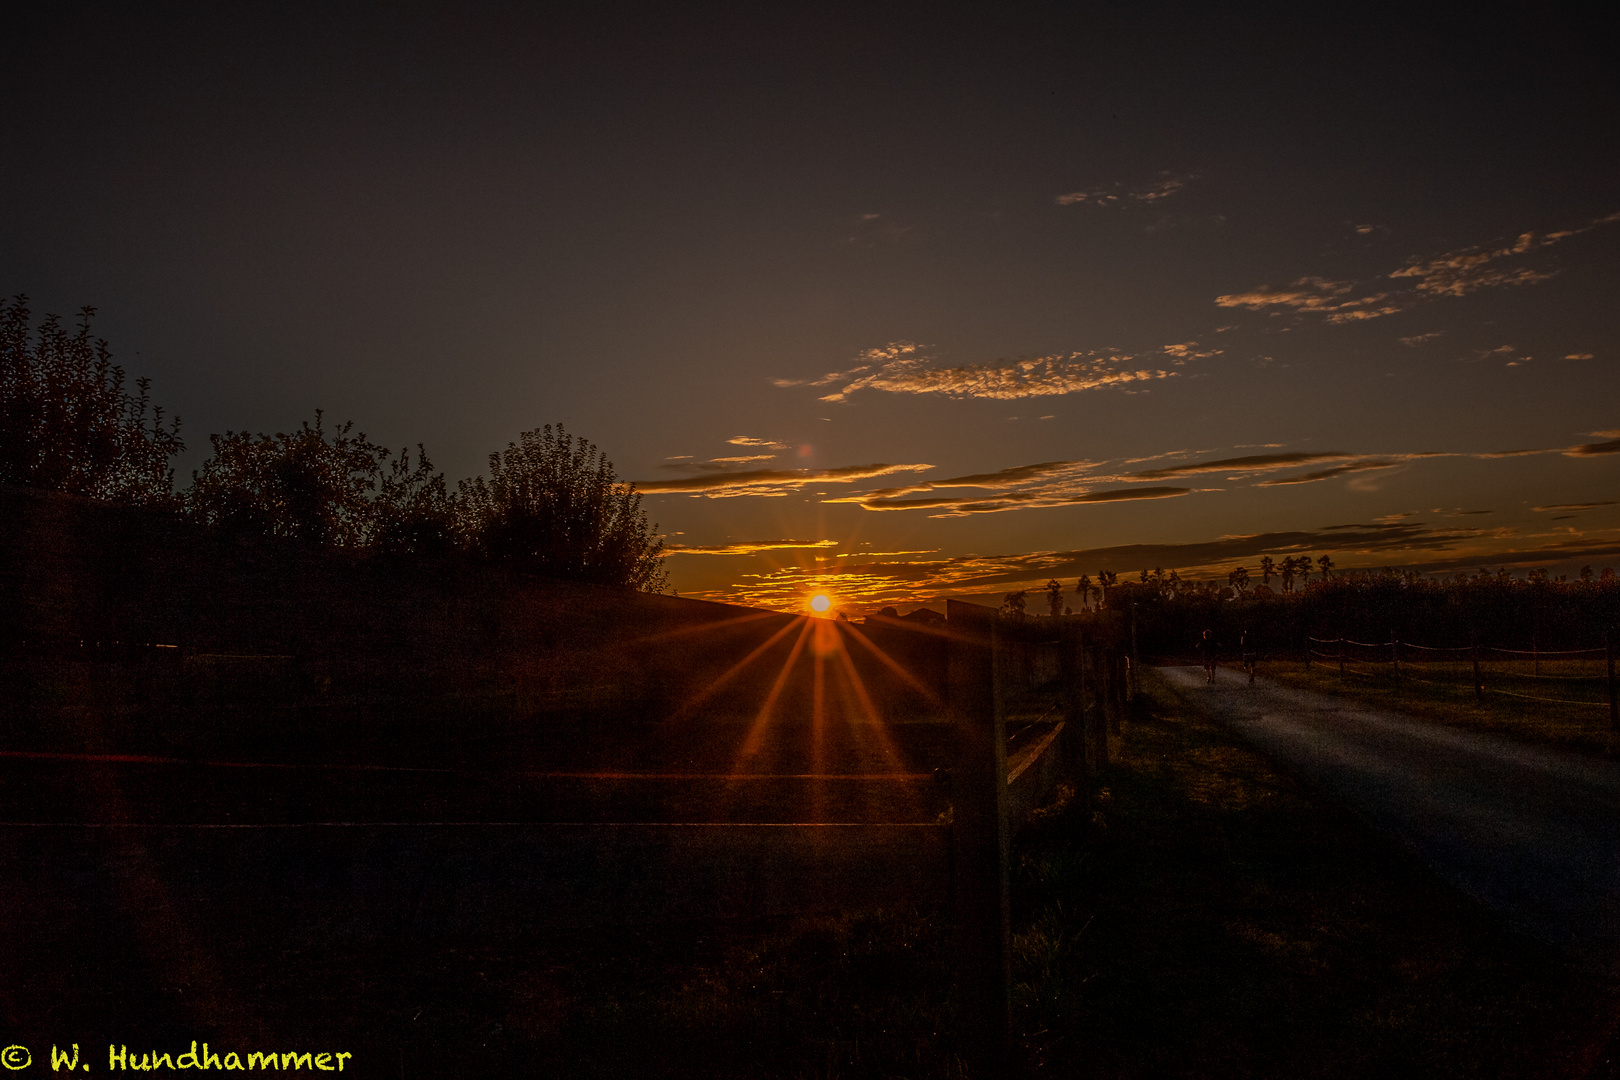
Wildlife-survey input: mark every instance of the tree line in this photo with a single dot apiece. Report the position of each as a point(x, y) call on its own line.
point(551, 505)
point(1533, 610)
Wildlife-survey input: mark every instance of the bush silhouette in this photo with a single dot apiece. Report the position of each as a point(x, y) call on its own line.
point(67, 422)
point(553, 506)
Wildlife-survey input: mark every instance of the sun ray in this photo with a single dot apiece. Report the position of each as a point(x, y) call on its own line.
point(730, 673)
point(876, 732)
point(894, 665)
point(818, 720)
point(756, 732)
point(687, 631)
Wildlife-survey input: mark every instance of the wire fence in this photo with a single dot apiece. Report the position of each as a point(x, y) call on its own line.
point(1578, 677)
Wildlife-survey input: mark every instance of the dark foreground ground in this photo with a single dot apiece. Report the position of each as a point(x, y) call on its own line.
point(1195, 913)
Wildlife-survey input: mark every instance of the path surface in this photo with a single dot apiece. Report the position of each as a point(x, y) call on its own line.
point(1533, 833)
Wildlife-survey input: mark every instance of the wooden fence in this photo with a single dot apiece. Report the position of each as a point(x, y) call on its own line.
point(1578, 677)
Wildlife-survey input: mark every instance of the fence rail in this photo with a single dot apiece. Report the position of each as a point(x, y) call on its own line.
point(1484, 667)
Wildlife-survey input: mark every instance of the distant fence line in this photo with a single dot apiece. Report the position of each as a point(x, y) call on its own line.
point(1564, 666)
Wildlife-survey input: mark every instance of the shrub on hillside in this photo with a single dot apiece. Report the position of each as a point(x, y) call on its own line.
point(67, 421)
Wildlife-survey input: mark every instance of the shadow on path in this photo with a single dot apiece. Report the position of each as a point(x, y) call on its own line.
point(1533, 833)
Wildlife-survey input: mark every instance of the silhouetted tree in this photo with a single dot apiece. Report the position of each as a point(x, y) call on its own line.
point(1239, 578)
point(309, 485)
point(1083, 588)
point(1012, 605)
point(67, 423)
point(1326, 564)
point(553, 506)
point(1106, 579)
point(414, 512)
point(1268, 569)
point(1054, 597)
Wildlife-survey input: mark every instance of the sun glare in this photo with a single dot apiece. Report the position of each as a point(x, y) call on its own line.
point(820, 602)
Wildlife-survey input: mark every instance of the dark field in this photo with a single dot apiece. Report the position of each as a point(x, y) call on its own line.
point(1194, 914)
point(696, 771)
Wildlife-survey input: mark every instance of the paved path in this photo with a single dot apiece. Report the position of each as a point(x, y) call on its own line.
point(1533, 833)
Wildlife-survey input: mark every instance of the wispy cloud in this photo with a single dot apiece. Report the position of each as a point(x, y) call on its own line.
point(1005, 478)
point(1328, 474)
point(1594, 449)
point(1189, 350)
point(1025, 487)
point(904, 367)
point(1313, 294)
point(747, 547)
point(945, 507)
point(1118, 195)
point(1458, 273)
point(1251, 463)
point(1518, 453)
point(719, 464)
point(1452, 274)
point(1418, 339)
point(763, 444)
point(1572, 506)
point(768, 482)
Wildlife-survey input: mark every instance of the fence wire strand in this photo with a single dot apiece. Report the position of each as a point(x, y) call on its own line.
point(1346, 665)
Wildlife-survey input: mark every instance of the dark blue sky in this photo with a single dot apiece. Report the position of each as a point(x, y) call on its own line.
point(1038, 245)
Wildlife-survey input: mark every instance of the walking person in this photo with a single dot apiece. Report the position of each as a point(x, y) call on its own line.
point(1206, 647)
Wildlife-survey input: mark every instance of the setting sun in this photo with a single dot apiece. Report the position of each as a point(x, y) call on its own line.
point(820, 603)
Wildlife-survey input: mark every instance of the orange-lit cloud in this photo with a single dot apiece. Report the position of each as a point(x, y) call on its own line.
point(1572, 506)
point(747, 547)
point(903, 367)
point(961, 507)
point(1313, 294)
point(768, 482)
point(1595, 449)
point(1458, 273)
point(1005, 478)
point(1189, 350)
point(1328, 474)
point(1403, 542)
point(1251, 463)
point(1454, 274)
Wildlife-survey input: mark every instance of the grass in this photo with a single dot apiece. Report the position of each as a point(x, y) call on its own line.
point(1445, 694)
point(1190, 913)
point(1222, 920)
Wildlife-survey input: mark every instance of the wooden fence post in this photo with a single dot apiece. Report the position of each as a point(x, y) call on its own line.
point(979, 832)
point(1135, 657)
point(1099, 711)
point(1070, 673)
point(1614, 707)
point(1479, 683)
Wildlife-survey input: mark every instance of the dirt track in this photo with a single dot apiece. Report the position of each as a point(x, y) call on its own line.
point(1533, 833)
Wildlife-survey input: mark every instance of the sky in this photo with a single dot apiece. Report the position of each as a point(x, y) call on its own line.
point(897, 302)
